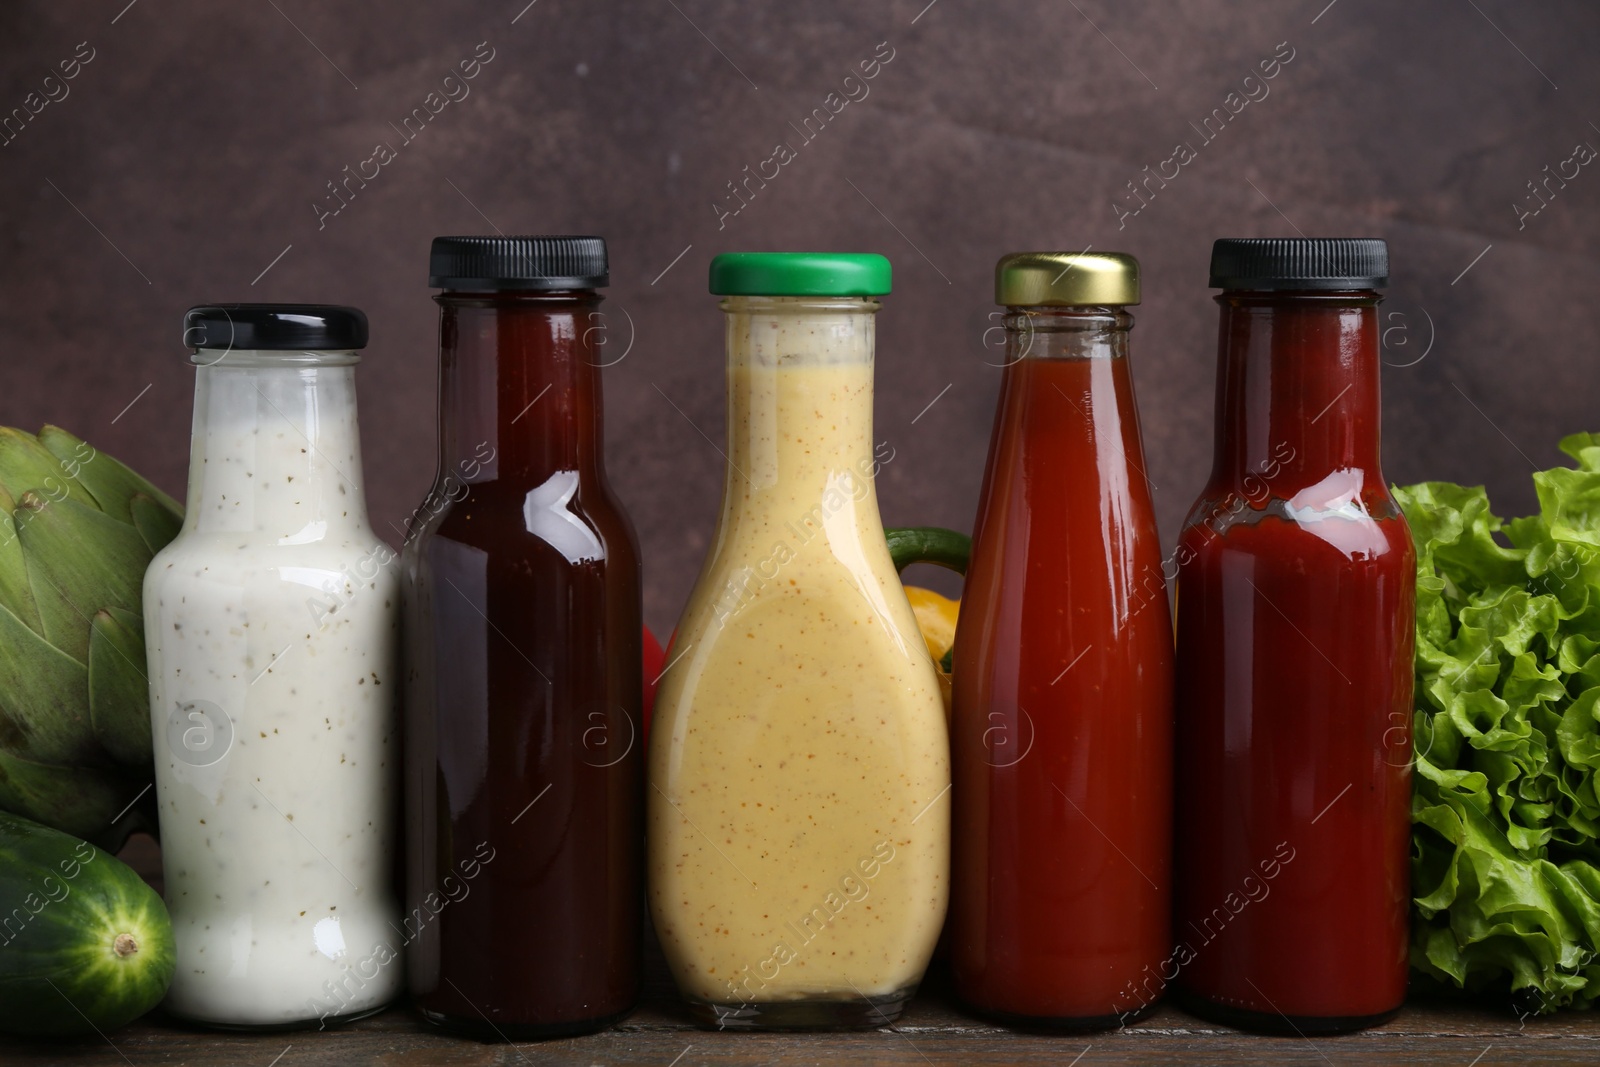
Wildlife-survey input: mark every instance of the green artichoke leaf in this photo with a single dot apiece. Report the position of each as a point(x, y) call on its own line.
point(110, 483)
point(79, 560)
point(119, 693)
point(80, 801)
point(44, 710)
point(27, 464)
point(16, 592)
point(156, 523)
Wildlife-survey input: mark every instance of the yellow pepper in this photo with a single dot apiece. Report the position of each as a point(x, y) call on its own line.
point(936, 615)
point(936, 618)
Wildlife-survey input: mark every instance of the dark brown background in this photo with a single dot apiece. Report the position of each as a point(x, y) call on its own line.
point(200, 135)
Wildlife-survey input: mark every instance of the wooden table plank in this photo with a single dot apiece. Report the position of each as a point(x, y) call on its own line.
point(1421, 1035)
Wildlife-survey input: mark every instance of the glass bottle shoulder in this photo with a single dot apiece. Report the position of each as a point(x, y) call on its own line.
point(245, 552)
point(304, 579)
point(575, 516)
point(819, 591)
point(1346, 513)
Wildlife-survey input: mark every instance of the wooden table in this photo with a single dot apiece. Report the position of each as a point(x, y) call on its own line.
point(934, 1030)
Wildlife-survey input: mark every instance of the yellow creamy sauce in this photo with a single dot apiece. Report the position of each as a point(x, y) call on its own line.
point(799, 813)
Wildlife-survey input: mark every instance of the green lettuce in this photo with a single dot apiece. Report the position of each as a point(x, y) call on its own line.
point(1506, 813)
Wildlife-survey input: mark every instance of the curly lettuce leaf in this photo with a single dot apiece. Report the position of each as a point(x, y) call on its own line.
point(1506, 811)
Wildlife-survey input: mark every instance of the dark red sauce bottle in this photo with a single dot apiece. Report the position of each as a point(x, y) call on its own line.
point(524, 773)
point(1295, 606)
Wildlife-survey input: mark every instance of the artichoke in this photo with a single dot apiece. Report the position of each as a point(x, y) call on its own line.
point(77, 530)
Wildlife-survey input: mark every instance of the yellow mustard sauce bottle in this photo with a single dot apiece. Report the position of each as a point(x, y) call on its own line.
point(799, 816)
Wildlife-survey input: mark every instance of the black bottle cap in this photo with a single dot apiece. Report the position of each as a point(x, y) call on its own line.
point(275, 327)
point(484, 263)
point(1300, 263)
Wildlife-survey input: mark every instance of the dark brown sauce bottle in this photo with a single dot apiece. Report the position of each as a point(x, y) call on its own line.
point(524, 774)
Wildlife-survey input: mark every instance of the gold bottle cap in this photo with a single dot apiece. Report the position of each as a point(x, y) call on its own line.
point(1097, 279)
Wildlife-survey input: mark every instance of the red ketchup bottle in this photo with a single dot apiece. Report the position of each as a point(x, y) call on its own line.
point(1295, 607)
point(1061, 740)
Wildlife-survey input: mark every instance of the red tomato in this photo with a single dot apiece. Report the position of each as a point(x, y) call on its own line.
point(654, 660)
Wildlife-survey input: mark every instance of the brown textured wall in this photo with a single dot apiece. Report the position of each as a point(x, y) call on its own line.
point(199, 136)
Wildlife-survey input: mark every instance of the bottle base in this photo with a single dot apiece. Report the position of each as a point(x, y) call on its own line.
point(481, 1030)
point(1277, 1023)
point(324, 1022)
point(1061, 1024)
point(814, 1013)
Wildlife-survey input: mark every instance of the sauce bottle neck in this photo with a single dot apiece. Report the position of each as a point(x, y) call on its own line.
point(1050, 332)
point(1297, 388)
point(519, 385)
point(276, 447)
point(799, 393)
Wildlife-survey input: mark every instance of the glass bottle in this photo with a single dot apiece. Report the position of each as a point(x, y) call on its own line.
point(799, 764)
point(272, 624)
point(1294, 632)
point(1061, 738)
point(523, 689)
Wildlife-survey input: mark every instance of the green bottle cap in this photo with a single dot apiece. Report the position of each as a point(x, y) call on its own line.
point(799, 274)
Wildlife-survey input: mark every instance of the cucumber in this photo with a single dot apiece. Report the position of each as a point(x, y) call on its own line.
point(85, 944)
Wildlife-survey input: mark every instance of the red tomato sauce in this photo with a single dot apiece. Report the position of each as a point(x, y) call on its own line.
point(1294, 631)
point(1062, 724)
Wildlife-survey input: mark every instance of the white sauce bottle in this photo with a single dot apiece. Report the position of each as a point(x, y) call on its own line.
point(271, 625)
